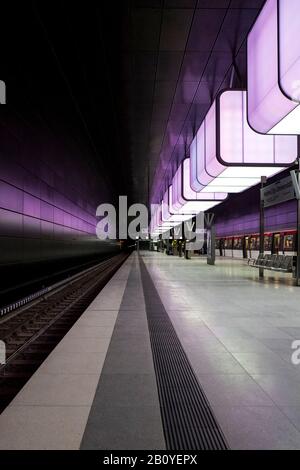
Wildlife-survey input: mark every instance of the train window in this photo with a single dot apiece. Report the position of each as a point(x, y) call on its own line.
point(276, 242)
point(288, 242)
point(268, 242)
point(237, 243)
point(255, 243)
point(247, 243)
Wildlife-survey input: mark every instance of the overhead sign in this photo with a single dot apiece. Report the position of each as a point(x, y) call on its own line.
point(281, 191)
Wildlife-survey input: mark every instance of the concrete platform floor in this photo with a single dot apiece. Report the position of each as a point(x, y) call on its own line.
point(237, 332)
point(97, 389)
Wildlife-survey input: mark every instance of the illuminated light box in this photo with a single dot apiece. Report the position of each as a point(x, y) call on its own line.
point(165, 220)
point(228, 156)
point(183, 199)
point(274, 69)
point(157, 225)
point(168, 214)
point(154, 223)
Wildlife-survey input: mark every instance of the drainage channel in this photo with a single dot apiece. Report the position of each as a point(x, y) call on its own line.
point(188, 420)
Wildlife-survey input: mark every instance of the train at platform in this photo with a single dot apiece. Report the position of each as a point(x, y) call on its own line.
point(248, 245)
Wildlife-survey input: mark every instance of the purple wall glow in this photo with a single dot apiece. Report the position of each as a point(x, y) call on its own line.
point(240, 215)
point(274, 68)
point(48, 196)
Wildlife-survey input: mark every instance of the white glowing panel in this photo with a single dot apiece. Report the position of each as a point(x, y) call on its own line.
point(231, 157)
point(274, 69)
point(182, 197)
point(168, 215)
point(157, 225)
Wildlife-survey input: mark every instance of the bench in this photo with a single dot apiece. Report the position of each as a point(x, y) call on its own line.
point(279, 263)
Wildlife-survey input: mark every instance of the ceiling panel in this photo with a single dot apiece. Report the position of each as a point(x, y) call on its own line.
point(164, 91)
point(214, 4)
point(180, 3)
point(231, 38)
point(144, 65)
point(175, 29)
point(143, 38)
point(216, 39)
point(193, 65)
point(168, 66)
point(148, 3)
point(185, 92)
point(133, 79)
point(206, 25)
point(176, 56)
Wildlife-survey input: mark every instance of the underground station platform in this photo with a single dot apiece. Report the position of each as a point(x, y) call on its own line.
point(172, 354)
point(149, 232)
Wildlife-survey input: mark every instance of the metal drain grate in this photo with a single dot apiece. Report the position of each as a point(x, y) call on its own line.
point(188, 421)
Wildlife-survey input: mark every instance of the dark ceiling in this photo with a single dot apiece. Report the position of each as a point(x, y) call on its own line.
point(133, 79)
point(176, 58)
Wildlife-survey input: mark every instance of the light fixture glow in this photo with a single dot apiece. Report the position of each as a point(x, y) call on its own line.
point(184, 200)
point(168, 215)
point(228, 156)
point(274, 69)
point(157, 225)
point(180, 203)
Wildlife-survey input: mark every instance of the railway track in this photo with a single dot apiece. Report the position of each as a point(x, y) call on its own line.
point(31, 333)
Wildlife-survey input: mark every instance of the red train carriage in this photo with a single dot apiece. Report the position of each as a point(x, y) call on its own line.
point(248, 245)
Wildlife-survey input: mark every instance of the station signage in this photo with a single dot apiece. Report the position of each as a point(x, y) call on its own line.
point(278, 192)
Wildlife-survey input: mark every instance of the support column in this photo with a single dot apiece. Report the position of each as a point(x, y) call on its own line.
point(262, 224)
point(211, 241)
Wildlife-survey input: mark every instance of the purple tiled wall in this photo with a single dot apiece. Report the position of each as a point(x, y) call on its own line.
point(240, 215)
point(49, 193)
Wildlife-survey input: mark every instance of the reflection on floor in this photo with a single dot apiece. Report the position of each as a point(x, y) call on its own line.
point(98, 388)
point(238, 334)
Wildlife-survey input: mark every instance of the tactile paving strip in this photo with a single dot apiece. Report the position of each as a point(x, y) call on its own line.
point(188, 421)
